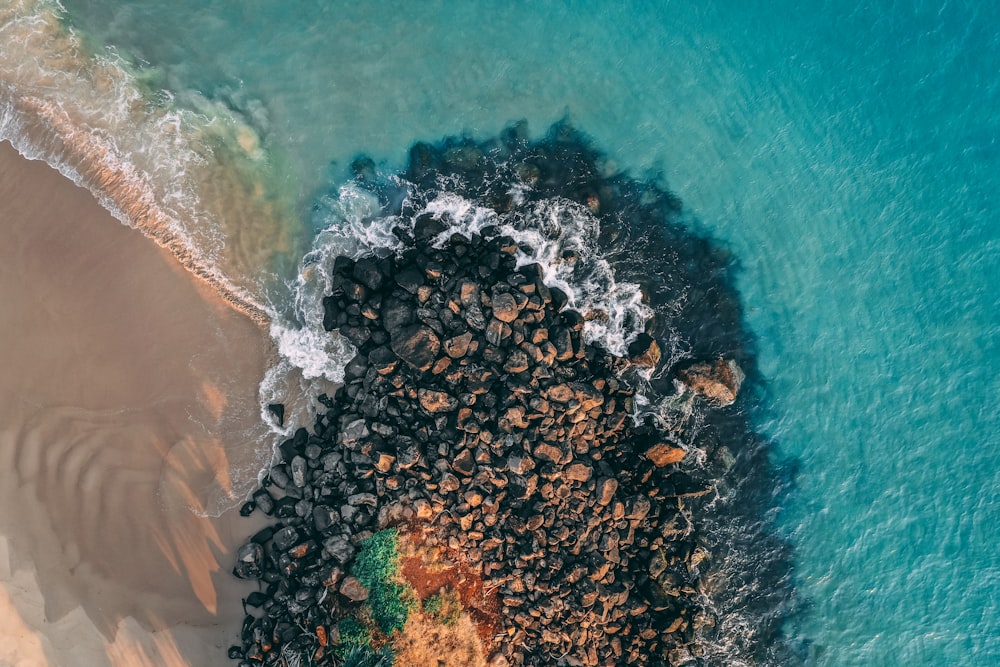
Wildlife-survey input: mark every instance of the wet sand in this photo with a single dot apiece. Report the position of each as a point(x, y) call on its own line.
point(128, 391)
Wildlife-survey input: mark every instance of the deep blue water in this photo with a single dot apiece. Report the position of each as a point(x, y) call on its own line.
point(848, 154)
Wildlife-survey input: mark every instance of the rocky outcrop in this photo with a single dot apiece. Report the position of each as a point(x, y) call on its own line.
point(508, 433)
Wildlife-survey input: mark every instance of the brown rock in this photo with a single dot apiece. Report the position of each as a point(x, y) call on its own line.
point(384, 462)
point(433, 401)
point(417, 345)
point(578, 472)
point(505, 307)
point(561, 393)
point(719, 382)
point(663, 455)
point(458, 346)
point(468, 293)
point(644, 351)
point(547, 452)
point(352, 589)
point(463, 463)
point(606, 488)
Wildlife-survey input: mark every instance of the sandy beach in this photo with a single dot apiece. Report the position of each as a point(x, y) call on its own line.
point(128, 394)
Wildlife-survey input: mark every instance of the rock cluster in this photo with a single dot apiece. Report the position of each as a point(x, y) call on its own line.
point(474, 404)
point(475, 410)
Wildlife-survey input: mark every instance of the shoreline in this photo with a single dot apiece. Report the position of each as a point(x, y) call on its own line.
point(130, 395)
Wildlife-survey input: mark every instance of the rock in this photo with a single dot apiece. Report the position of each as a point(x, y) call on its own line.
point(278, 411)
point(547, 452)
point(505, 308)
point(606, 488)
point(458, 346)
point(298, 468)
point(324, 517)
point(249, 561)
point(719, 381)
point(396, 314)
point(417, 345)
point(644, 351)
point(339, 548)
point(367, 273)
point(352, 589)
point(497, 332)
point(663, 455)
point(449, 484)
point(354, 431)
point(498, 660)
point(463, 463)
point(426, 228)
point(410, 279)
point(264, 501)
point(384, 462)
point(434, 401)
point(285, 538)
point(383, 360)
point(578, 472)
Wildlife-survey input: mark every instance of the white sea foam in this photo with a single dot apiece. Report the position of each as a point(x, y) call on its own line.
point(562, 237)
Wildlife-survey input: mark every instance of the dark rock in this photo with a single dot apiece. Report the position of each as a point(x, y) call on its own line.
point(417, 345)
point(410, 279)
point(249, 561)
point(339, 548)
point(644, 351)
point(278, 410)
point(426, 227)
point(505, 308)
point(397, 314)
point(367, 273)
point(285, 538)
point(324, 517)
point(463, 463)
point(383, 360)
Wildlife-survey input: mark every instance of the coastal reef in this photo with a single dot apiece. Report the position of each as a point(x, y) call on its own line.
point(513, 468)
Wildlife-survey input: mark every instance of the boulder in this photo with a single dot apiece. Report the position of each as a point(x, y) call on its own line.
point(606, 488)
point(644, 351)
point(719, 381)
point(505, 307)
point(249, 561)
point(352, 589)
point(417, 345)
point(434, 401)
point(663, 455)
point(367, 273)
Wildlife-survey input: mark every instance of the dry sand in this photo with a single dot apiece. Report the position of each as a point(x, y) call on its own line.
point(127, 393)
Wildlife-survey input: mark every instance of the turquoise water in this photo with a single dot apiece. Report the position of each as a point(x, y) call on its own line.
point(848, 154)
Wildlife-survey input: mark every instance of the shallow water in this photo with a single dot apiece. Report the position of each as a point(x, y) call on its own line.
point(848, 156)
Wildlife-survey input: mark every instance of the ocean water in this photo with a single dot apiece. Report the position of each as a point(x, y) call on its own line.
point(847, 154)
